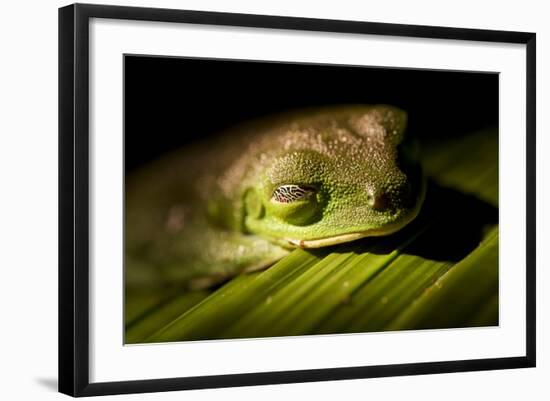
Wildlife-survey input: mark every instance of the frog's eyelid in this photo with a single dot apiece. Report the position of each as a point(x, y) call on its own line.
point(290, 193)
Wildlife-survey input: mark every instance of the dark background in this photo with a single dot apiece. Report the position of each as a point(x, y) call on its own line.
point(173, 101)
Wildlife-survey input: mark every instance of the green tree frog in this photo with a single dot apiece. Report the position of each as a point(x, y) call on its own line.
point(307, 179)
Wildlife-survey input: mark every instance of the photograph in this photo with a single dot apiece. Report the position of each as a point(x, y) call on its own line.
point(251, 199)
point(275, 199)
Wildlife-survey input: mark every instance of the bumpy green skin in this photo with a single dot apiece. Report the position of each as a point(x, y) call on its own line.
point(207, 213)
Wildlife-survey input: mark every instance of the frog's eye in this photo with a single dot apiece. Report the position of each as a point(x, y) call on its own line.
point(291, 193)
point(296, 204)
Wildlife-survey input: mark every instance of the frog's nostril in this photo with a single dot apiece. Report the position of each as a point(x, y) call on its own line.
point(378, 201)
point(381, 202)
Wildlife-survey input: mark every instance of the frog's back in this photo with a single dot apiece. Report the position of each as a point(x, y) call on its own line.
point(184, 212)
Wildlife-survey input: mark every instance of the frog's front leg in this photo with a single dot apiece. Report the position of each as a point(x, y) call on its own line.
point(198, 256)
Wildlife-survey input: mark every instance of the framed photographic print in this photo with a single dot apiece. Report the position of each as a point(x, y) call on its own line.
point(250, 199)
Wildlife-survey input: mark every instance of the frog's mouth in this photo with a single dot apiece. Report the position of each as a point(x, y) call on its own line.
point(375, 232)
point(339, 239)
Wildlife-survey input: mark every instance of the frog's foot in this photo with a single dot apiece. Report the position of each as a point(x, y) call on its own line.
point(204, 282)
point(261, 265)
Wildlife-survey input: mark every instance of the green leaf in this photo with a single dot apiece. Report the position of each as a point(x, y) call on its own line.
point(439, 272)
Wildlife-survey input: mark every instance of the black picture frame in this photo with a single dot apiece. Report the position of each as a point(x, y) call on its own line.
point(74, 198)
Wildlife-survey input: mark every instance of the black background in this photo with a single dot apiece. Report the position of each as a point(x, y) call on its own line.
point(170, 102)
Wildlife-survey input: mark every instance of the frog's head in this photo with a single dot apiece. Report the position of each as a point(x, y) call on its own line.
point(335, 176)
